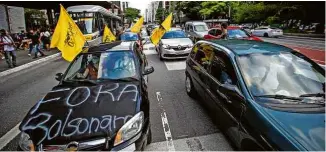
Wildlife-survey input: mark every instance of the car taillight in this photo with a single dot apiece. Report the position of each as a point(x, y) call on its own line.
point(206, 37)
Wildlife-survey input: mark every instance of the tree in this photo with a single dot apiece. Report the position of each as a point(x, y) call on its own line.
point(161, 14)
point(34, 18)
point(190, 9)
point(131, 14)
point(213, 9)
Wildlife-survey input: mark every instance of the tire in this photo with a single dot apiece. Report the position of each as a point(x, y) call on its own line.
point(149, 136)
point(190, 87)
point(265, 34)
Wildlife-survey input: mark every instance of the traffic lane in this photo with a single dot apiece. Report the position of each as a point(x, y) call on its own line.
point(186, 117)
point(304, 43)
point(20, 92)
point(316, 54)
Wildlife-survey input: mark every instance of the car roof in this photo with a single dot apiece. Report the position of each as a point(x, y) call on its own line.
point(113, 46)
point(243, 47)
point(196, 23)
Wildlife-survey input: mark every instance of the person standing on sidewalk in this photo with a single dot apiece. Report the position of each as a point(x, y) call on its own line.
point(9, 48)
point(45, 37)
point(36, 44)
point(30, 45)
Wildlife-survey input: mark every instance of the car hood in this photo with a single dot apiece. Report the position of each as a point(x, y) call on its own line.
point(80, 113)
point(177, 42)
point(308, 129)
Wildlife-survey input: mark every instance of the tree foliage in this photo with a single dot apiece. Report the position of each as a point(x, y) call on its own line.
point(161, 14)
point(131, 14)
point(213, 9)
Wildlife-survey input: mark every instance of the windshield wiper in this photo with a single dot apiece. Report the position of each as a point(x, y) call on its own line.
point(277, 96)
point(313, 95)
point(83, 80)
point(128, 79)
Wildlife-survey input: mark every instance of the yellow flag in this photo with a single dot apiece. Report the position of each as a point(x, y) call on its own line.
point(107, 35)
point(137, 27)
point(157, 35)
point(167, 22)
point(67, 37)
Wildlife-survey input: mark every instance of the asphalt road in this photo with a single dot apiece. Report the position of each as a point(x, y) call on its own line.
point(190, 126)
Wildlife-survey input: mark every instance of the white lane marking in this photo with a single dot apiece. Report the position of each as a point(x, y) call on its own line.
point(149, 52)
point(165, 123)
point(175, 65)
point(27, 65)
point(10, 135)
point(211, 142)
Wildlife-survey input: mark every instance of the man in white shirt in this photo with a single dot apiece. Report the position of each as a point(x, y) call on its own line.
point(9, 48)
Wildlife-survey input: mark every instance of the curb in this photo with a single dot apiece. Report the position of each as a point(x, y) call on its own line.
point(27, 65)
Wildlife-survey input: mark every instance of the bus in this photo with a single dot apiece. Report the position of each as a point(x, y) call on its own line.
point(91, 20)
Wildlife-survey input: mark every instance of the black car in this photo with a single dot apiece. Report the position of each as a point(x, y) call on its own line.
point(100, 103)
point(264, 96)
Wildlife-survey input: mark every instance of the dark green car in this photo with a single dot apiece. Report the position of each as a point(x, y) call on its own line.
point(265, 96)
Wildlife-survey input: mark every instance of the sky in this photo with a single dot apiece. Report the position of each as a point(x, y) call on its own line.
point(139, 4)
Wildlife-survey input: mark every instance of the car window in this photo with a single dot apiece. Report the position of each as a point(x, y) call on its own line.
point(100, 66)
point(191, 28)
point(201, 28)
point(289, 74)
point(194, 50)
point(237, 33)
point(174, 34)
point(75, 67)
point(204, 54)
point(129, 37)
point(212, 32)
point(221, 68)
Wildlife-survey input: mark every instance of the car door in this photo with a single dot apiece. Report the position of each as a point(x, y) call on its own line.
point(212, 34)
point(227, 106)
point(198, 67)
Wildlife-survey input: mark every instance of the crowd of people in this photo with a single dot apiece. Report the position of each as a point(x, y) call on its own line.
point(35, 41)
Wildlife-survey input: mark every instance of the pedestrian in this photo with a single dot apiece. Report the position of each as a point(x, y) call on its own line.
point(224, 34)
point(9, 48)
point(45, 38)
point(119, 33)
point(36, 44)
point(29, 37)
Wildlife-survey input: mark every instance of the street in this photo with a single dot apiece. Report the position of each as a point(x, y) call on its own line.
point(190, 126)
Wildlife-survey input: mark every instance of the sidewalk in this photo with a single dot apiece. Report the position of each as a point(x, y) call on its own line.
point(23, 58)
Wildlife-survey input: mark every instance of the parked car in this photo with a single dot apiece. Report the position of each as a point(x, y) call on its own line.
point(266, 96)
point(196, 30)
point(233, 33)
point(174, 45)
point(100, 103)
point(267, 32)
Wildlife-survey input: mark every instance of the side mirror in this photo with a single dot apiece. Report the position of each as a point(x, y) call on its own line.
point(231, 90)
point(58, 76)
point(148, 70)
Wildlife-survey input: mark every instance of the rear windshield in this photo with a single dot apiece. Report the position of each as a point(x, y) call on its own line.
point(129, 37)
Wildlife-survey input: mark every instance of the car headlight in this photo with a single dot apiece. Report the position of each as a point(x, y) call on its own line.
point(130, 129)
point(166, 46)
point(25, 142)
point(190, 46)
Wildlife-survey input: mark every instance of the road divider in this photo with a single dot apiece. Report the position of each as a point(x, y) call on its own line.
point(165, 123)
point(30, 64)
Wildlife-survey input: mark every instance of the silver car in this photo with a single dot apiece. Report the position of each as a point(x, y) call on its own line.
point(174, 45)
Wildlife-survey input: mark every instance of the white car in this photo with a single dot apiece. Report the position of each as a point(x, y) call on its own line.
point(267, 32)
